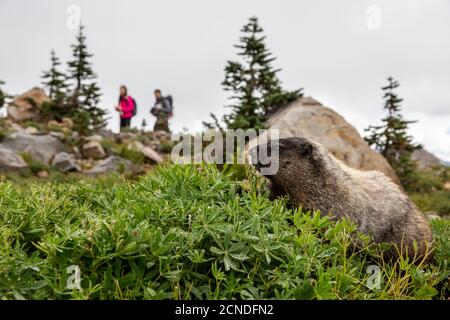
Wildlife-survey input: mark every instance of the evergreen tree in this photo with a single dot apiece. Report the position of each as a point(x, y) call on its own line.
point(143, 125)
point(256, 89)
point(391, 138)
point(85, 94)
point(55, 82)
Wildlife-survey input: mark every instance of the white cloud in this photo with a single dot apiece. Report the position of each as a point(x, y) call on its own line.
point(182, 46)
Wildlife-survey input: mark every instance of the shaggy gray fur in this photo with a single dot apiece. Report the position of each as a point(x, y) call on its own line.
point(315, 180)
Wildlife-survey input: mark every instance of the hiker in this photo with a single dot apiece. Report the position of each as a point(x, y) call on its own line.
point(126, 108)
point(162, 110)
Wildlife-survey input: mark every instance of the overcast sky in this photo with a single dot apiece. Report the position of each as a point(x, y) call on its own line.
point(340, 52)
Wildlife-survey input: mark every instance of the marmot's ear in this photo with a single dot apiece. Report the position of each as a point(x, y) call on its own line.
point(306, 149)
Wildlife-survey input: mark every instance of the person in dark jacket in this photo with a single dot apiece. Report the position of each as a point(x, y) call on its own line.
point(125, 108)
point(161, 110)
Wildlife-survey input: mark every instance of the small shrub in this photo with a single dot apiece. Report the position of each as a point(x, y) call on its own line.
point(34, 165)
point(438, 201)
point(134, 156)
point(166, 146)
point(425, 181)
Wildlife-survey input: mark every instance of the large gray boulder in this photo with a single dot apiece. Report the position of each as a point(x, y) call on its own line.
point(9, 160)
point(306, 117)
point(40, 147)
point(111, 164)
point(65, 162)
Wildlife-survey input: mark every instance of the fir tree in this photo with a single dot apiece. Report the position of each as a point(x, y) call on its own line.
point(253, 82)
point(54, 80)
point(143, 125)
point(85, 94)
point(391, 138)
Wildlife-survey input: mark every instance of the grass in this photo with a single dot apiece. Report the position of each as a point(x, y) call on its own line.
point(437, 201)
point(428, 191)
point(192, 232)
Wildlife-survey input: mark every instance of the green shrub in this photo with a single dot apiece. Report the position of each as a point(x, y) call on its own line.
point(133, 155)
point(166, 146)
point(438, 201)
point(34, 165)
point(188, 232)
point(425, 181)
point(108, 145)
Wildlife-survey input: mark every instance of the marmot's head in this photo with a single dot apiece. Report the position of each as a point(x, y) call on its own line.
point(300, 163)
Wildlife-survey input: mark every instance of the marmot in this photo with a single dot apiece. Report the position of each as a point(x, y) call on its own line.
point(316, 180)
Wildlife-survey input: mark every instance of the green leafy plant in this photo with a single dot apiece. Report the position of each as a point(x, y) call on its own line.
point(191, 232)
point(134, 156)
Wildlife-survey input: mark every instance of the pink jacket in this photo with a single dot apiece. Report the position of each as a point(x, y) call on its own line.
point(127, 106)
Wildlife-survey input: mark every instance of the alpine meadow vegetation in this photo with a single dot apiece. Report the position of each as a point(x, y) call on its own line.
point(194, 232)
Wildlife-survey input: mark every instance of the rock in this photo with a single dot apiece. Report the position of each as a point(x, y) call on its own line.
point(111, 164)
point(66, 125)
point(53, 124)
point(307, 118)
point(42, 174)
point(31, 130)
point(14, 127)
point(148, 152)
point(25, 106)
point(9, 160)
point(152, 154)
point(40, 147)
point(86, 164)
point(432, 215)
point(94, 137)
point(447, 185)
point(126, 136)
point(93, 150)
point(161, 135)
point(425, 159)
point(56, 134)
point(65, 162)
point(67, 122)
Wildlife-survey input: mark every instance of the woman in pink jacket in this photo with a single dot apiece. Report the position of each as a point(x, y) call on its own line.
point(125, 108)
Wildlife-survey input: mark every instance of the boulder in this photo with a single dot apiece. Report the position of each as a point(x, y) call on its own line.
point(65, 162)
point(93, 150)
point(306, 117)
point(94, 137)
point(425, 159)
point(148, 152)
point(111, 164)
point(40, 147)
point(42, 174)
point(25, 107)
point(9, 160)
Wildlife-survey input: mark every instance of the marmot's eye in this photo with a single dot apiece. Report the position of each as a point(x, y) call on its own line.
point(306, 149)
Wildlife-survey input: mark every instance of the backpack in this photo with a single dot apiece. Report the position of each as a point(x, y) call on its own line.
point(134, 106)
point(170, 100)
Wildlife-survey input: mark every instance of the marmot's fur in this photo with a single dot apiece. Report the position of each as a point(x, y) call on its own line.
point(315, 180)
